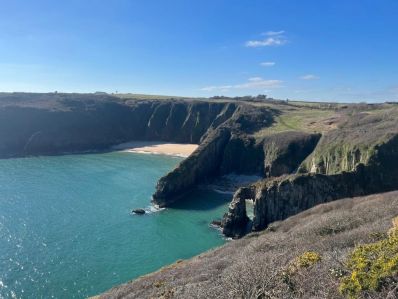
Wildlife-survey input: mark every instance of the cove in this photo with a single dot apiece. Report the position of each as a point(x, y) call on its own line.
point(66, 228)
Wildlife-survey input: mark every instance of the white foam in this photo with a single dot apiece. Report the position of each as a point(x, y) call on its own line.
point(228, 184)
point(153, 209)
point(223, 191)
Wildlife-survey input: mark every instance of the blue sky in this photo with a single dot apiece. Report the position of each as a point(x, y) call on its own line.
point(342, 50)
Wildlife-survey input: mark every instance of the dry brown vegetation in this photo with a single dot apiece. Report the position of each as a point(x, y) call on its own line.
point(301, 257)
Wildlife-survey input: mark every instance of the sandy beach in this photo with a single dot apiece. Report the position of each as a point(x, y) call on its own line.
point(157, 147)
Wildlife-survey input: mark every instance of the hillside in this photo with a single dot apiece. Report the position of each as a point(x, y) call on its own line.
point(304, 256)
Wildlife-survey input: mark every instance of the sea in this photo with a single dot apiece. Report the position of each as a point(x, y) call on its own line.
point(67, 230)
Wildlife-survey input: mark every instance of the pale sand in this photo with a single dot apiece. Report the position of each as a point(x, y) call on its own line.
point(157, 147)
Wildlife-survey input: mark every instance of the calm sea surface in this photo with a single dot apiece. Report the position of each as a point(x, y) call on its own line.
point(66, 230)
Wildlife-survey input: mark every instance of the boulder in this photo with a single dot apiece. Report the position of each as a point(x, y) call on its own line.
point(138, 211)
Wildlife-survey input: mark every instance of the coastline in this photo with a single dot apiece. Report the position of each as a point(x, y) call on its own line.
point(156, 148)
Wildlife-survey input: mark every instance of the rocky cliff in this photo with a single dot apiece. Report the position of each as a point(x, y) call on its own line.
point(355, 141)
point(225, 149)
point(231, 148)
point(358, 158)
point(43, 124)
point(284, 152)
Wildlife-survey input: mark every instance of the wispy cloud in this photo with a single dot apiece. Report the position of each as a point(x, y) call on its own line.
point(219, 87)
point(252, 83)
point(272, 33)
point(267, 63)
point(309, 77)
point(273, 38)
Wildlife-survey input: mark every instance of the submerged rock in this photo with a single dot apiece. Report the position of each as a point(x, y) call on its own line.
point(138, 211)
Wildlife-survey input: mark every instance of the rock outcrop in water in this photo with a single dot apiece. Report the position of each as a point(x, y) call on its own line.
point(235, 222)
point(138, 211)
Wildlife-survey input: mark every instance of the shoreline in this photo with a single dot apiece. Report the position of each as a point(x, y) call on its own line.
point(156, 148)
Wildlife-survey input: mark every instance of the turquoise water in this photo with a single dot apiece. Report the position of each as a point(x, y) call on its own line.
point(66, 230)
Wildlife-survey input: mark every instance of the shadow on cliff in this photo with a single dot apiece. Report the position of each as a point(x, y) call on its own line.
point(200, 199)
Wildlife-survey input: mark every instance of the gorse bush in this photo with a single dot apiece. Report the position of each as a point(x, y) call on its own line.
point(308, 259)
point(372, 265)
point(296, 268)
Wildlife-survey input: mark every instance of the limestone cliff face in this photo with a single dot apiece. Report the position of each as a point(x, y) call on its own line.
point(185, 122)
point(58, 123)
point(243, 155)
point(230, 148)
point(225, 149)
point(271, 156)
point(355, 141)
point(285, 151)
point(201, 165)
point(281, 199)
point(284, 196)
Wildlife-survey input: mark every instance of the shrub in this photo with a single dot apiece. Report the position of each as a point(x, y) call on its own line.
point(308, 259)
point(372, 264)
point(304, 261)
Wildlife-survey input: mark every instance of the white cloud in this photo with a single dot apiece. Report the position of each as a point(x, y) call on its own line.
point(270, 41)
point(222, 88)
point(309, 77)
point(272, 33)
point(252, 83)
point(274, 38)
point(255, 79)
point(267, 63)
